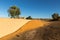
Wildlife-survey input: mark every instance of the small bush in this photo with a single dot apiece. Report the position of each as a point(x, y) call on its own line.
point(29, 17)
point(55, 16)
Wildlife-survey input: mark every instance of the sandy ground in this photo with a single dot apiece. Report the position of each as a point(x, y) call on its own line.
point(8, 26)
point(28, 26)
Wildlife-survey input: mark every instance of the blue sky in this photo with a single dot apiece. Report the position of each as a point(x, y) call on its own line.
point(34, 8)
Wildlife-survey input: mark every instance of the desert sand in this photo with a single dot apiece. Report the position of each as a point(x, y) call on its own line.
point(8, 26)
point(33, 24)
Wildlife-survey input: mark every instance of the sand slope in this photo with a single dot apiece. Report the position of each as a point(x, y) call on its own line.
point(29, 26)
point(8, 26)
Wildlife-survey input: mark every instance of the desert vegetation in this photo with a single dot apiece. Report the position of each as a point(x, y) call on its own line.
point(29, 17)
point(14, 12)
point(55, 16)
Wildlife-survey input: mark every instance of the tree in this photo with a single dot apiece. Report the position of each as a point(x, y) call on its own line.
point(55, 16)
point(14, 12)
point(29, 17)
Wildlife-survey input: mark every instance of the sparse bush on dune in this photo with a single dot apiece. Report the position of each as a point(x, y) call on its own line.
point(55, 16)
point(29, 17)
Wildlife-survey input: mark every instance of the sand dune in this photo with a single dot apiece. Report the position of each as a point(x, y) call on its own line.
point(29, 26)
point(8, 26)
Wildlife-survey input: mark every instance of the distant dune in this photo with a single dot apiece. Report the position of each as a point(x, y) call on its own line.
point(28, 26)
point(8, 26)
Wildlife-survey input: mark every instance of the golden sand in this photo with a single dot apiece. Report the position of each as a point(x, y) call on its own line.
point(8, 26)
point(28, 26)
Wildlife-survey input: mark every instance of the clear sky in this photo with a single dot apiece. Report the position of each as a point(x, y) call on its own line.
point(34, 8)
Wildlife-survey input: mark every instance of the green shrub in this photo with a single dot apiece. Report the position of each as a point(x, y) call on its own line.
point(29, 17)
point(55, 16)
